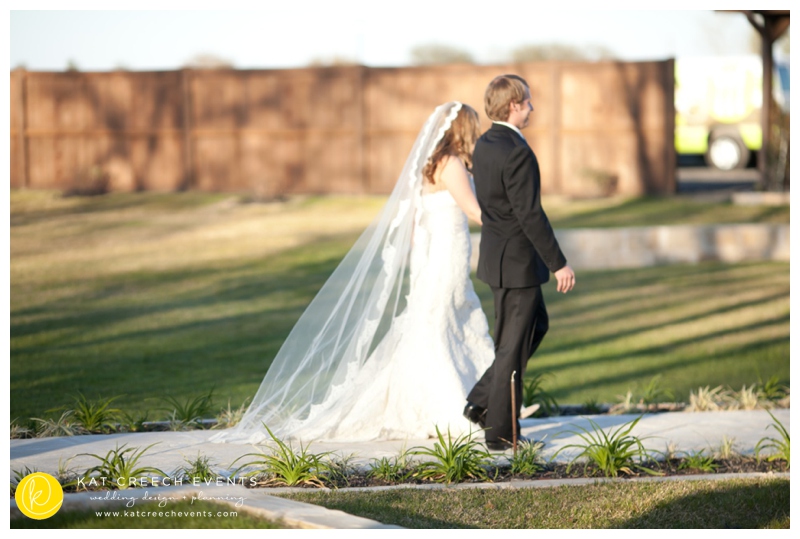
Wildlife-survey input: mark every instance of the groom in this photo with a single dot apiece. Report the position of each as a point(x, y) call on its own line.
point(517, 253)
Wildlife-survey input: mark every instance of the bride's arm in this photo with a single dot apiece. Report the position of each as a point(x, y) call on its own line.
point(456, 179)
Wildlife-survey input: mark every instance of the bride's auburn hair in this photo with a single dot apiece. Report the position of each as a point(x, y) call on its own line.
point(458, 141)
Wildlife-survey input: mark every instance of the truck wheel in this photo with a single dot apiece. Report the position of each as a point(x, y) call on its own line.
point(726, 151)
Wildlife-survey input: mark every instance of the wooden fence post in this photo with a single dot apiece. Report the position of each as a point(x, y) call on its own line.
point(22, 135)
point(188, 154)
point(361, 129)
point(555, 73)
point(670, 185)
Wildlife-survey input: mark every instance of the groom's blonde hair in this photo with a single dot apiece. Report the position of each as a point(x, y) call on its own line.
point(501, 92)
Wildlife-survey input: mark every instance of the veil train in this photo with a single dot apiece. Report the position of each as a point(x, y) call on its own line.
point(350, 315)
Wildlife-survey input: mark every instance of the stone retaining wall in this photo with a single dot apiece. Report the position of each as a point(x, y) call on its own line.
point(637, 247)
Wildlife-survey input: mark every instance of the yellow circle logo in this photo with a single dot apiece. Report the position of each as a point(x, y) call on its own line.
point(39, 495)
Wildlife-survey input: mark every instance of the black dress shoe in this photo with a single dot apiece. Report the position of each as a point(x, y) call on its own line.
point(476, 414)
point(499, 445)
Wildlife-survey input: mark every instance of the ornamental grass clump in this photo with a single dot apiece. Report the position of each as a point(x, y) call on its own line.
point(614, 453)
point(198, 470)
point(119, 468)
point(748, 399)
point(65, 475)
point(18, 431)
point(698, 460)
point(780, 446)
point(533, 393)
point(670, 451)
point(339, 469)
point(65, 425)
point(727, 448)
point(647, 399)
point(625, 404)
point(452, 461)
point(96, 416)
point(528, 459)
point(133, 423)
point(188, 415)
point(591, 406)
point(390, 469)
point(230, 417)
point(772, 390)
point(653, 393)
point(764, 395)
point(286, 467)
point(707, 399)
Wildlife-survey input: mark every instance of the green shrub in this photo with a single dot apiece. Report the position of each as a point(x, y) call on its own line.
point(187, 415)
point(780, 446)
point(286, 467)
point(392, 470)
point(528, 460)
point(198, 470)
point(452, 461)
point(533, 393)
point(698, 461)
point(119, 468)
point(339, 469)
point(96, 416)
point(65, 425)
point(611, 453)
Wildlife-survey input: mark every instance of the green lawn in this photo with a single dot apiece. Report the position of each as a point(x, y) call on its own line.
point(737, 503)
point(650, 211)
point(147, 295)
point(695, 325)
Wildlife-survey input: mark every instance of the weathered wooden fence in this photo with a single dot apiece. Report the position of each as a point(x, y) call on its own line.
point(596, 126)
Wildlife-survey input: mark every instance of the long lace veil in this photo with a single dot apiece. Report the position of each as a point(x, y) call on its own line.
point(352, 312)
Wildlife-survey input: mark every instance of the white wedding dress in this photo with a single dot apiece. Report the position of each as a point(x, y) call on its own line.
point(395, 339)
point(419, 375)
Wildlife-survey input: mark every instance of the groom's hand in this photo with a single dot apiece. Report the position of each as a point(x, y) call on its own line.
point(566, 279)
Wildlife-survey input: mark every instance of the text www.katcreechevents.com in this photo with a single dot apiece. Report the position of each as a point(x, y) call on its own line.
point(168, 514)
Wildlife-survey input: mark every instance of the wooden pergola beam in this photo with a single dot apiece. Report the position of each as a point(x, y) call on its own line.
point(772, 27)
point(775, 22)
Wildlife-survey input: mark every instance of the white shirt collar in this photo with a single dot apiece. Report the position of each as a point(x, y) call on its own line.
point(514, 127)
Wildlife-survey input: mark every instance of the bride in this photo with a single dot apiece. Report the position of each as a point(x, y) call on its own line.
point(396, 338)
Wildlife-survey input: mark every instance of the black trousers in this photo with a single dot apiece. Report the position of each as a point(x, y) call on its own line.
point(521, 323)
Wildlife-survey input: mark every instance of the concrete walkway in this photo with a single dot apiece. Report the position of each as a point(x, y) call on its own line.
point(684, 431)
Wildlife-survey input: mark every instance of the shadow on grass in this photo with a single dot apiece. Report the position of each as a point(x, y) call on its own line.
point(654, 210)
point(400, 507)
point(220, 325)
point(230, 283)
point(223, 331)
point(642, 211)
point(736, 503)
point(149, 201)
point(636, 316)
point(599, 333)
point(664, 350)
point(756, 506)
point(661, 366)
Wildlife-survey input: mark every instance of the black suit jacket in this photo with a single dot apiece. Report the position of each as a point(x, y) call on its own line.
point(518, 248)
